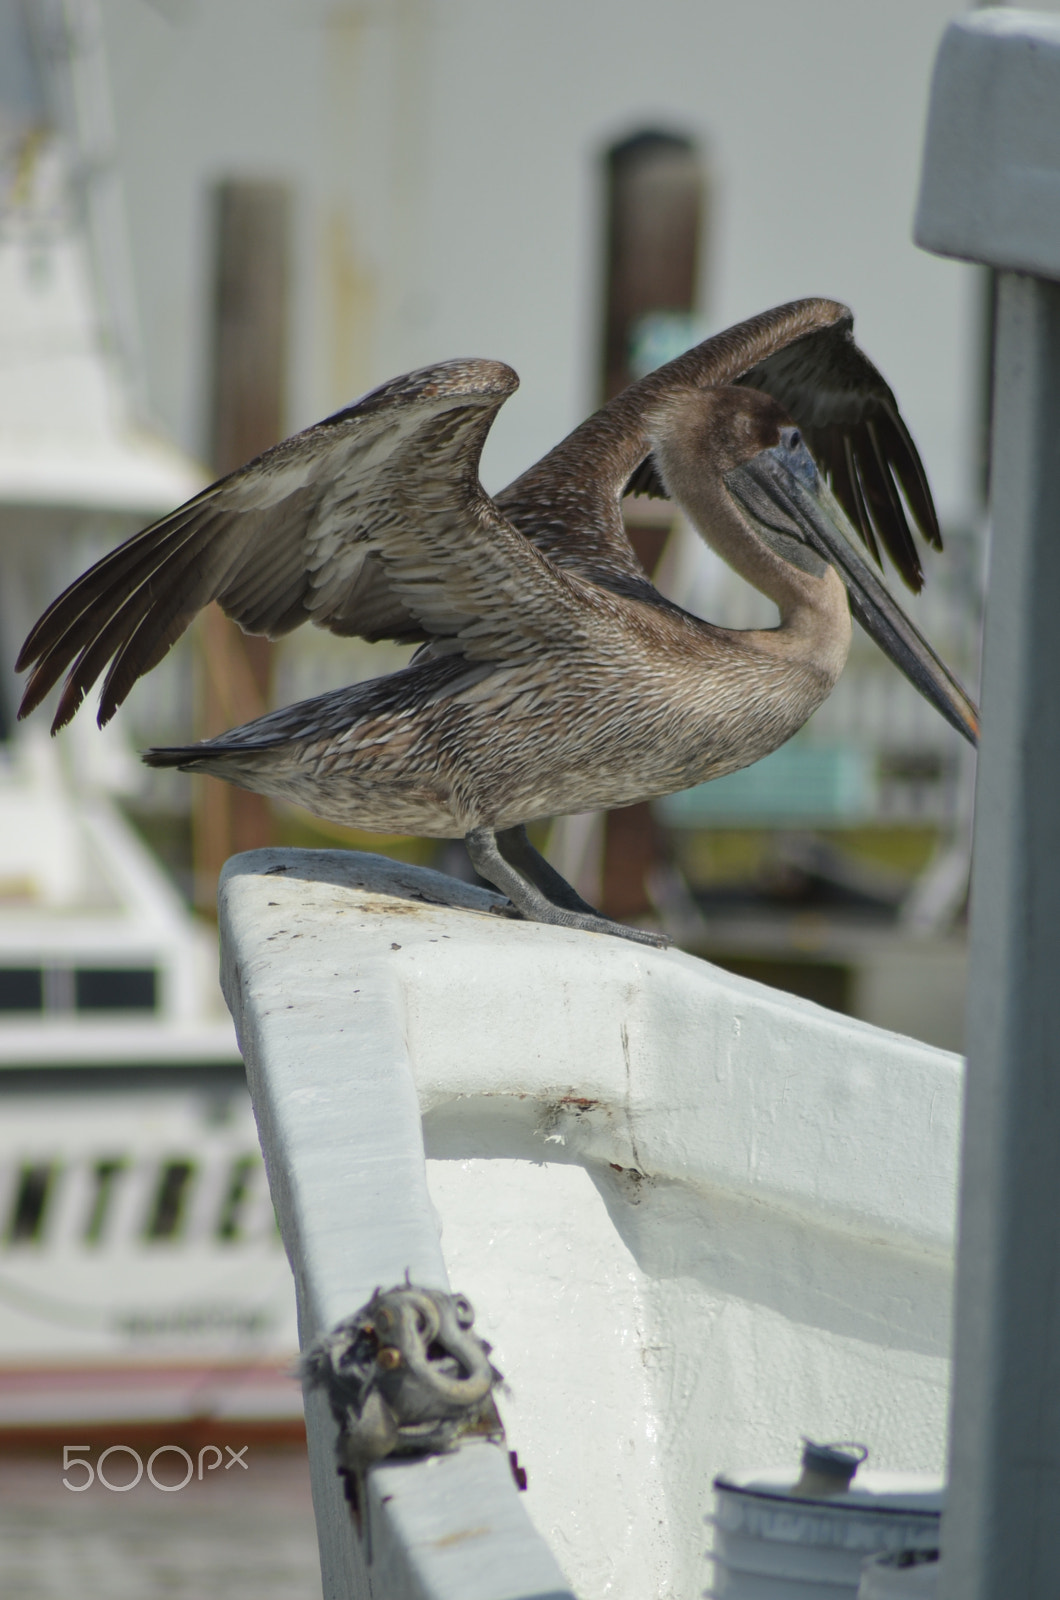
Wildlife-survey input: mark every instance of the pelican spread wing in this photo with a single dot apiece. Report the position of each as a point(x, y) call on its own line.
point(372, 522)
point(804, 355)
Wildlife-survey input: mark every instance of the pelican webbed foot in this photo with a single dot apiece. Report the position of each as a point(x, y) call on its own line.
point(508, 860)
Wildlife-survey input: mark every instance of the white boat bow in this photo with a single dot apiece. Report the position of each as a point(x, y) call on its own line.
point(697, 1218)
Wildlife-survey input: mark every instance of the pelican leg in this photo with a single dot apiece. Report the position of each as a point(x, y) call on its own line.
point(530, 900)
point(519, 853)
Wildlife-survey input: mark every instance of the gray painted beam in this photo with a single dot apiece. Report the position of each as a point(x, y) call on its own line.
point(991, 193)
point(990, 186)
point(1003, 1528)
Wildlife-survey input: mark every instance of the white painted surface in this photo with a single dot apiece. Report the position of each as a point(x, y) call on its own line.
point(697, 1218)
point(453, 1528)
point(340, 1129)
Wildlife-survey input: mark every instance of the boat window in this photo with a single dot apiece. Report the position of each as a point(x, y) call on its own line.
point(230, 1220)
point(21, 989)
point(29, 989)
point(115, 989)
point(33, 1190)
point(167, 1212)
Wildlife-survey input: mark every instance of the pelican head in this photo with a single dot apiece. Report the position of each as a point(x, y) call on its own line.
point(794, 511)
point(763, 485)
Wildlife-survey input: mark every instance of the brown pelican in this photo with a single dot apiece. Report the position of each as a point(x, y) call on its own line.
point(552, 676)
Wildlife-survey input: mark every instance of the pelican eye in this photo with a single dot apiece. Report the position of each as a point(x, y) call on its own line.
point(792, 451)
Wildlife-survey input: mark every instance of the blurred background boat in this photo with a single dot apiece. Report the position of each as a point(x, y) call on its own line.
point(141, 1278)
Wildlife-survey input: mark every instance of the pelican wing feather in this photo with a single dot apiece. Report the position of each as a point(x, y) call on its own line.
point(856, 433)
point(804, 355)
point(372, 522)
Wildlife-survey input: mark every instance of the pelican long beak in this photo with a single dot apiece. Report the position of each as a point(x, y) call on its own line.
point(785, 494)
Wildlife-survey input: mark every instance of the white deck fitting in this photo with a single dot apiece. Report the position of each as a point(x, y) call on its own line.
point(697, 1217)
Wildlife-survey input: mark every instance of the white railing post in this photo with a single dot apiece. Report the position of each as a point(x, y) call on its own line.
point(991, 194)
